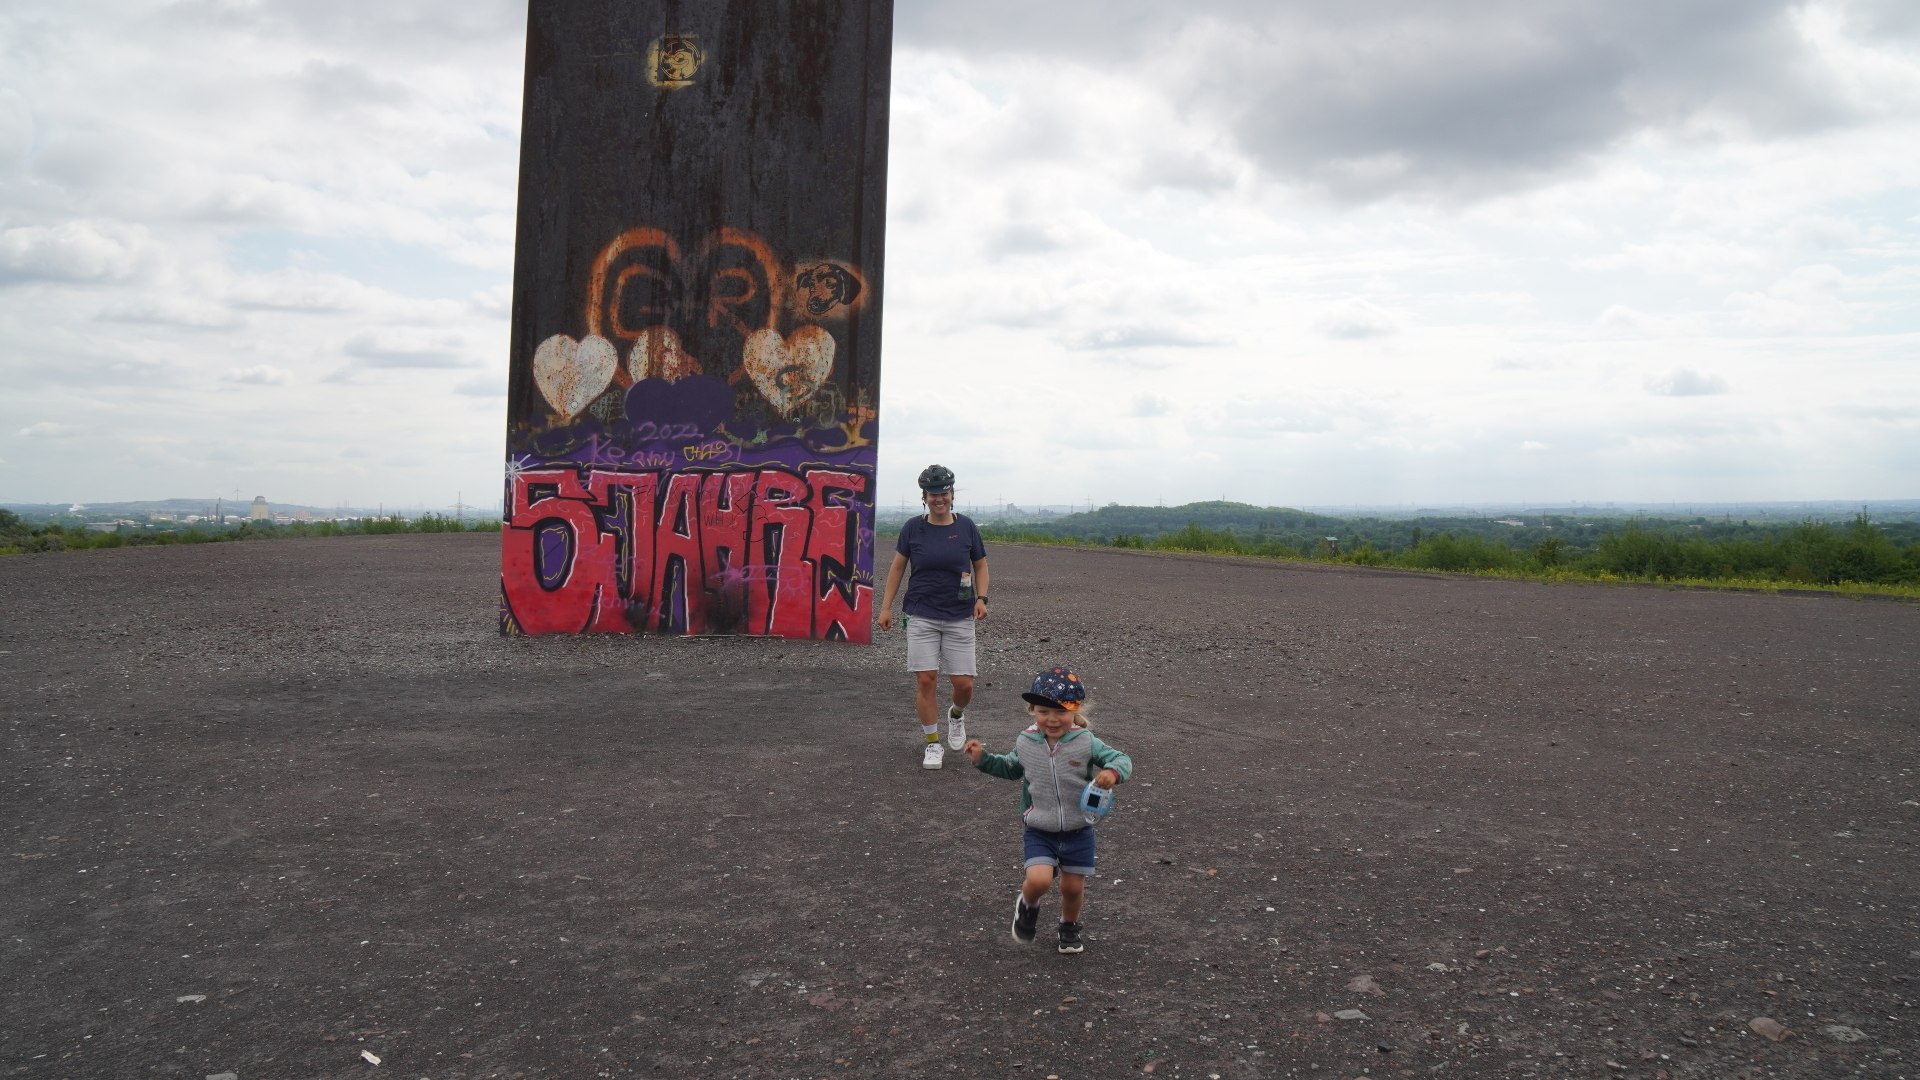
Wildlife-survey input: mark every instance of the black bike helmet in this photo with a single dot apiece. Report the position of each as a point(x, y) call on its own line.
point(936, 480)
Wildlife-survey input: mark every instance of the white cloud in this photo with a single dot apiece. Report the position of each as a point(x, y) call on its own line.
point(1690, 256)
point(408, 347)
point(187, 312)
point(486, 386)
point(1396, 98)
point(16, 130)
point(295, 290)
point(1686, 383)
point(91, 251)
point(1623, 321)
point(495, 302)
point(1145, 337)
point(257, 375)
point(1358, 319)
point(47, 429)
point(1149, 405)
point(1806, 301)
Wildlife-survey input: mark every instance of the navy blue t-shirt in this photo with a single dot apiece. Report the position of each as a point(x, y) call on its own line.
point(939, 554)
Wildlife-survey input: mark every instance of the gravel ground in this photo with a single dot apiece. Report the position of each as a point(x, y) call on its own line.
point(275, 809)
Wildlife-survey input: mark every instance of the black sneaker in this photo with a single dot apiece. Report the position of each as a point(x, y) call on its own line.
point(1070, 939)
point(1026, 919)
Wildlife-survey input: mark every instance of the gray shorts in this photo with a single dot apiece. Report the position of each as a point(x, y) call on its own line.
point(940, 645)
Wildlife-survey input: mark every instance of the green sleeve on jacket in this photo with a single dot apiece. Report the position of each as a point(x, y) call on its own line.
point(1005, 766)
point(1107, 757)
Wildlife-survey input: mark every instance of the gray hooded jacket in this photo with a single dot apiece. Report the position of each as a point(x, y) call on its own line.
point(1053, 775)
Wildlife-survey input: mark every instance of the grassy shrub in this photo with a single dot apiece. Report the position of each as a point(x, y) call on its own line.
point(1548, 553)
point(1365, 555)
point(1195, 538)
point(435, 523)
point(1864, 553)
point(1459, 553)
point(1810, 553)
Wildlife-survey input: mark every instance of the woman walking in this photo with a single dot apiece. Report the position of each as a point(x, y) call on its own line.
point(946, 595)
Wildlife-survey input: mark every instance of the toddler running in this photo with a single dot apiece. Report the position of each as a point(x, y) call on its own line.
point(1054, 759)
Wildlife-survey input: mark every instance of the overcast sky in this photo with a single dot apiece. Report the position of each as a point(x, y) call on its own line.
point(1288, 252)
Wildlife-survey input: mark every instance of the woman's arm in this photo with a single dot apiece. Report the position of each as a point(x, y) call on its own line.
point(895, 573)
point(980, 588)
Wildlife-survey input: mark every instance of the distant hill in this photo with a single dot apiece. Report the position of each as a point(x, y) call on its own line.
point(1282, 529)
point(1235, 517)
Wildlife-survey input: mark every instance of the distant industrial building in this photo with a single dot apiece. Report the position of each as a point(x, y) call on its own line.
point(260, 512)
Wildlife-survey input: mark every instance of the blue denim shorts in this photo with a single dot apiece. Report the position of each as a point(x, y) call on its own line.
point(1072, 851)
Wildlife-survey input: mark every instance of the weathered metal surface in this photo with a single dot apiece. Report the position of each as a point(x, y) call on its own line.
point(695, 357)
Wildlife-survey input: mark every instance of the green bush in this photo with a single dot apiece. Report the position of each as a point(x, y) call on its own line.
point(1195, 538)
point(435, 523)
point(1364, 555)
point(1546, 554)
point(1449, 552)
point(1866, 554)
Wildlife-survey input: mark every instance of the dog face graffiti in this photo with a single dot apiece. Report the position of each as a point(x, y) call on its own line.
point(826, 286)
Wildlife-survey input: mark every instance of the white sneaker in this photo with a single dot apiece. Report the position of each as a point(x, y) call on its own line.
point(932, 758)
point(956, 727)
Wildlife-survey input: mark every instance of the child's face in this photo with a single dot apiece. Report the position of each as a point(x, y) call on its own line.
point(1053, 722)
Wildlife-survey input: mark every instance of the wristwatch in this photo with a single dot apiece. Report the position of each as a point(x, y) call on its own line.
point(982, 598)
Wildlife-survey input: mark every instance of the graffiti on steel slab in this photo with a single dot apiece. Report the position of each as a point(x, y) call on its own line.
point(727, 308)
point(700, 460)
point(772, 550)
point(673, 60)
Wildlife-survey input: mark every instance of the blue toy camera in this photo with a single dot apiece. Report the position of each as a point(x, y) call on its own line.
point(1096, 801)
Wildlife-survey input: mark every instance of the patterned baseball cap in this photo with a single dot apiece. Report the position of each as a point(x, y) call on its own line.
point(1056, 688)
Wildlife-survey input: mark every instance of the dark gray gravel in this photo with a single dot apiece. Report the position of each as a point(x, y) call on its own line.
point(268, 806)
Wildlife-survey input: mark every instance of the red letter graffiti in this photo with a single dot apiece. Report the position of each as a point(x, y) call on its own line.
point(842, 606)
point(761, 551)
point(557, 565)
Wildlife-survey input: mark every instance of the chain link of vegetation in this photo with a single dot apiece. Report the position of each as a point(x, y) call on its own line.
point(1802, 554)
point(19, 537)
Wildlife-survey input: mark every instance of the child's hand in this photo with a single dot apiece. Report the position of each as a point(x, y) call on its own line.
point(973, 750)
point(1106, 778)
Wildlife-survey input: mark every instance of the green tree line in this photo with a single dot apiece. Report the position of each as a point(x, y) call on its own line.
point(1859, 552)
point(1808, 552)
point(18, 536)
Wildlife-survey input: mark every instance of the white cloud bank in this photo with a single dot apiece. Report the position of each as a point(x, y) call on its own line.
point(1293, 253)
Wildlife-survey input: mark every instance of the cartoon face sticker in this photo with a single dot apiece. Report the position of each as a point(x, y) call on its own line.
point(826, 285)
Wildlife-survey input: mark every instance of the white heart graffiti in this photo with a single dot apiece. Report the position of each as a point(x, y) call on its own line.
point(657, 354)
point(791, 370)
point(570, 374)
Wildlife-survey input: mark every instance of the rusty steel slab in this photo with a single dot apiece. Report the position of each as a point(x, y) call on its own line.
point(692, 411)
